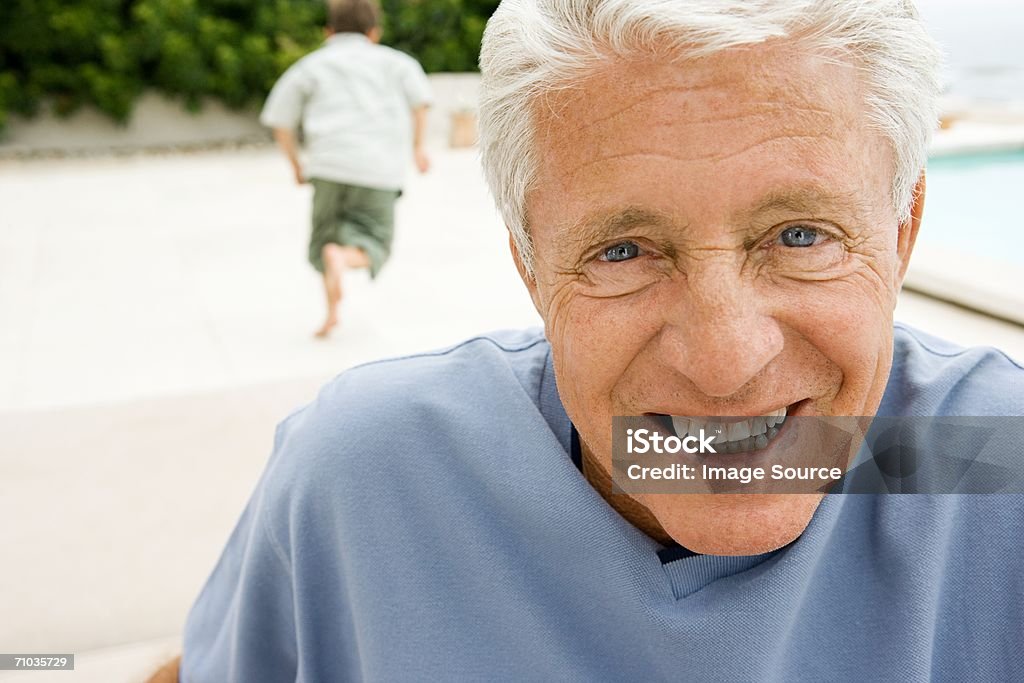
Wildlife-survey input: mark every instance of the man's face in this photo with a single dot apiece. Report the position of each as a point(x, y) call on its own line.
point(715, 238)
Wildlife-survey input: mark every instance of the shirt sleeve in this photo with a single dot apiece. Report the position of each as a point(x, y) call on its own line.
point(416, 86)
point(242, 626)
point(284, 105)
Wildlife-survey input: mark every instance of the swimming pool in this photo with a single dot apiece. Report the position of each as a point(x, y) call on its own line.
point(975, 205)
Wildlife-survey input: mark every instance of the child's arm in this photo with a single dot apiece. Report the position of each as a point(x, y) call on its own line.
point(286, 140)
point(419, 133)
point(283, 113)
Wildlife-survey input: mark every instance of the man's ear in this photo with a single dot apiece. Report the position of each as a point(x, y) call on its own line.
point(374, 34)
point(528, 279)
point(909, 229)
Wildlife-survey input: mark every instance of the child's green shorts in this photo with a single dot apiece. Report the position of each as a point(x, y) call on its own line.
point(352, 216)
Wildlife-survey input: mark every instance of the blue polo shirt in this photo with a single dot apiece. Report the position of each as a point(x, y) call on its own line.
point(423, 520)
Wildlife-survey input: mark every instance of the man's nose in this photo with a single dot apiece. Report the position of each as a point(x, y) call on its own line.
point(721, 335)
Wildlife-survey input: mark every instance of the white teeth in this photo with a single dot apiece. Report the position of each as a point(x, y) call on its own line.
point(717, 430)
point(755, 431)
point(759, 425)
point(739, 430)
point(776, 417)
point(681, 425)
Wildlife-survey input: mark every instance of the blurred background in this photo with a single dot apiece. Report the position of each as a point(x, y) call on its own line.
point(157, 310)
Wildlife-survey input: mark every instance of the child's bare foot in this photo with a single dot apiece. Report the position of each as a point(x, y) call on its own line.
point(325, 329)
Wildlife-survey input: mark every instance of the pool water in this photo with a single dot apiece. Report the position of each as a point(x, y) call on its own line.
point(975, 204)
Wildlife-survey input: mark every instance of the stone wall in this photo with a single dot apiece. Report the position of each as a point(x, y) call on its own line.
point(161, 123)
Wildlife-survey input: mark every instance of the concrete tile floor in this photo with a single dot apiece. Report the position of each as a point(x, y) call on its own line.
point(160, 275)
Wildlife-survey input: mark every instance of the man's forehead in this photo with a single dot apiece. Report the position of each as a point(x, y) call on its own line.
point(749, 75)
point(694, 111)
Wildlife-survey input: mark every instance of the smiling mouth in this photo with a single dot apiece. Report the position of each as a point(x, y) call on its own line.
point(734, 435)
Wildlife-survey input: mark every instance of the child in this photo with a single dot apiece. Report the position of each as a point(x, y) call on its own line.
point(362, 106)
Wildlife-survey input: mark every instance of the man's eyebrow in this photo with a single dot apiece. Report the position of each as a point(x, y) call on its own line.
point(809, 200)
point(603, 226)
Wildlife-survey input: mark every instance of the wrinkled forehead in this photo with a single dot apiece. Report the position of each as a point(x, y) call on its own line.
point(746, 74)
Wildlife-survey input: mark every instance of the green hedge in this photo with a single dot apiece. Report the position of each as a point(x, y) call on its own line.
point(106, 52)
point(443, 34)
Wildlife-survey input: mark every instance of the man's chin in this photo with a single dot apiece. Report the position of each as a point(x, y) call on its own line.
point(733, 524)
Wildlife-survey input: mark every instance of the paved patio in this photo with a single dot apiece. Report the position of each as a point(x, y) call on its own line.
point(156, 316)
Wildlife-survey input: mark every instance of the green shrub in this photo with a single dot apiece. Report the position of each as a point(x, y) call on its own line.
point(106, 52)
point(443, 34)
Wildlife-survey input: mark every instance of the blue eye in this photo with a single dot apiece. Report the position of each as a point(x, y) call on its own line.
point(621, 252)
point(799, 236)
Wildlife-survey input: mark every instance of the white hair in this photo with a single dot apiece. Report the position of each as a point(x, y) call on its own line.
point(535, 46)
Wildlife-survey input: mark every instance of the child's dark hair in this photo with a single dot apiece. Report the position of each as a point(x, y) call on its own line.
point(352, 16)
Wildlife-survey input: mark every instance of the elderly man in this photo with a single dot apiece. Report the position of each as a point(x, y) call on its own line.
point(712, 204)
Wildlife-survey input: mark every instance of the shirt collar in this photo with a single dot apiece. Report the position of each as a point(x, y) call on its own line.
point(347, 37)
